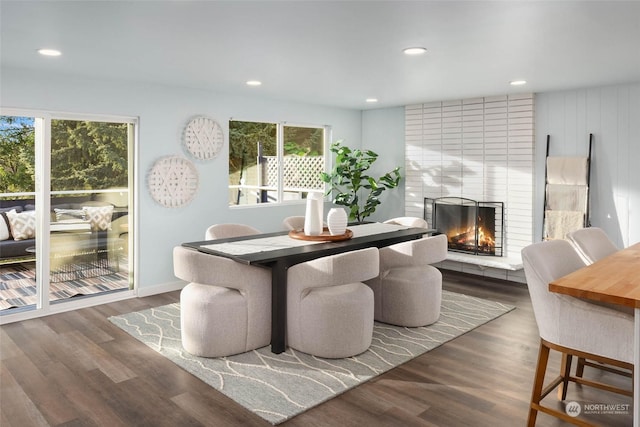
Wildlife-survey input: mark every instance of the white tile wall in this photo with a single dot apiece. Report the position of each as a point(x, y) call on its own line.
point(482, 149)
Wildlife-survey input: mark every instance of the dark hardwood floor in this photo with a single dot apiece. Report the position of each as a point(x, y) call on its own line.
point(77, 369)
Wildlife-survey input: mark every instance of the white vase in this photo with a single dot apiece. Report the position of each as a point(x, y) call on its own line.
point(312, 220)
point(337, 221)
point(317, 195)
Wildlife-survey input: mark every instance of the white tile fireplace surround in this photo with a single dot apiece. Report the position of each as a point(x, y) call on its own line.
point(480, 149)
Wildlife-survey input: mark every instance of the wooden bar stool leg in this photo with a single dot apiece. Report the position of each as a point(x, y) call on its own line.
point(536, 394)
point(580, 367)
point(565, 373)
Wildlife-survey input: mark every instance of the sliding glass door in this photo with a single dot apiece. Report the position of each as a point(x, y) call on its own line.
point(71, 180)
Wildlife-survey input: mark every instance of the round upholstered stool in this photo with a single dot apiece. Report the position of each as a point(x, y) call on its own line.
point(334, 321)
point(410, 296)
point(213, 320)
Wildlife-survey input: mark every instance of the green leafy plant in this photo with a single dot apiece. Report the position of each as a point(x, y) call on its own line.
point(348, 180)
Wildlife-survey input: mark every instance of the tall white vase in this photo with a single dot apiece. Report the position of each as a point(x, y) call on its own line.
point(317, 195)
point(337, 221)
point(312, 220)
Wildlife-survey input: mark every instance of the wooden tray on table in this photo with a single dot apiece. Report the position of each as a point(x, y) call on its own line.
point(324, 237)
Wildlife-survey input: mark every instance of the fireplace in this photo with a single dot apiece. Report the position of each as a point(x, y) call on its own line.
point(470, 226)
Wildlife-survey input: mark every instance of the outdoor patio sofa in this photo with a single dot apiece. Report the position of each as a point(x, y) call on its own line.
point(68, 213)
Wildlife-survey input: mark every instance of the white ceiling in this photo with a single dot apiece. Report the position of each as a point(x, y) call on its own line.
point(334, 53)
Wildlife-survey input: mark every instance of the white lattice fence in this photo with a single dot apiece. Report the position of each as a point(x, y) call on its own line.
point(300, 173)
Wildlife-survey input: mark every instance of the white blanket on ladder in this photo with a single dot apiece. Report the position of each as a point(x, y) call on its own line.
point(562, 197)
point(558, 223)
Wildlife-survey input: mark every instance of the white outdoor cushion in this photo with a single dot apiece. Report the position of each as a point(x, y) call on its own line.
point(5, 230)
point(23, 224)
point(99, 216)
point(70, 214)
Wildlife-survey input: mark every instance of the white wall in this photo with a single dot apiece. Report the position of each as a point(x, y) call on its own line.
point(383, 132)
point(612, 114)
point(163, 113)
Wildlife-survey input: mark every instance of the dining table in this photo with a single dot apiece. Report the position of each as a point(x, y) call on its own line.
point(280, 250)
point(614, 279)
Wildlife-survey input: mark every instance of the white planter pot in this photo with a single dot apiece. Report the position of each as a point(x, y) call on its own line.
point(337, 221)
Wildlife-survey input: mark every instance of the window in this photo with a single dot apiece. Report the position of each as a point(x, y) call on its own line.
point(274, 162)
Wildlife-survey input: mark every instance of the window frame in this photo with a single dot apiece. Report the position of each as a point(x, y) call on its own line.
point(280, 125)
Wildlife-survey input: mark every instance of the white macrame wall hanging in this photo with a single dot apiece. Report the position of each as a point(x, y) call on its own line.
point(172, 181)
point(203, 138)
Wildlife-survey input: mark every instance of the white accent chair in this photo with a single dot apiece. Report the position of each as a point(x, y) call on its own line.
point(591, 243)
point(293, 223)
point(409, 221)
point(571, 326)
point(329, 309)
point(296, 223)
point(407, 290)
point(225, 231)
point(226, 307)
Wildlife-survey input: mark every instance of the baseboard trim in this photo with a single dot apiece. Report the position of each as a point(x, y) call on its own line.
point(453, 274)
point(147, 291)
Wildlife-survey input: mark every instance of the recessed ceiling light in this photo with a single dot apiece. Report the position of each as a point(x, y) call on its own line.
point(49, 52)
point(254, 83)
point(414, 50)
point(371, 100)
point(518, 82)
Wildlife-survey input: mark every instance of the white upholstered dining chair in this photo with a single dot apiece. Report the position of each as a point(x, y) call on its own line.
point(225, 231)
point(225, 308)
point(329, 309)
point(592, 243)
point(293, 223)
point(408, 290)
point(409, 221)
point(296, 222)
point(571, 326)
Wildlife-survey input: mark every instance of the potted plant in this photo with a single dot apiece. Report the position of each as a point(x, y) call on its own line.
point(350, 183)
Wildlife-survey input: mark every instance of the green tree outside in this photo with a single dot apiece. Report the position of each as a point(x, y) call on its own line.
point(17, 154)
point(85, 155)
point(244, 138)
point(243, 143)
point(88, 155)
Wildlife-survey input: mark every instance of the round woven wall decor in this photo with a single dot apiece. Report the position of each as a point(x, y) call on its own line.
point(203, 138)
point(172, 181)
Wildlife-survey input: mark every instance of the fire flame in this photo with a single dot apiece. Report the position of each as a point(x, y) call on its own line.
point(468, 237)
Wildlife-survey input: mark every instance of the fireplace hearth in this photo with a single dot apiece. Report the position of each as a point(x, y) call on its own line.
point(471, 226)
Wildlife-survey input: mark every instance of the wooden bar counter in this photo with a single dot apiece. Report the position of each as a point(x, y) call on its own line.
point(614, 279)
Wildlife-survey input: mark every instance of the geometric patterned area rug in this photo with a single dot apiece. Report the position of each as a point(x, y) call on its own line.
point(18, 284)
point(278, 387)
